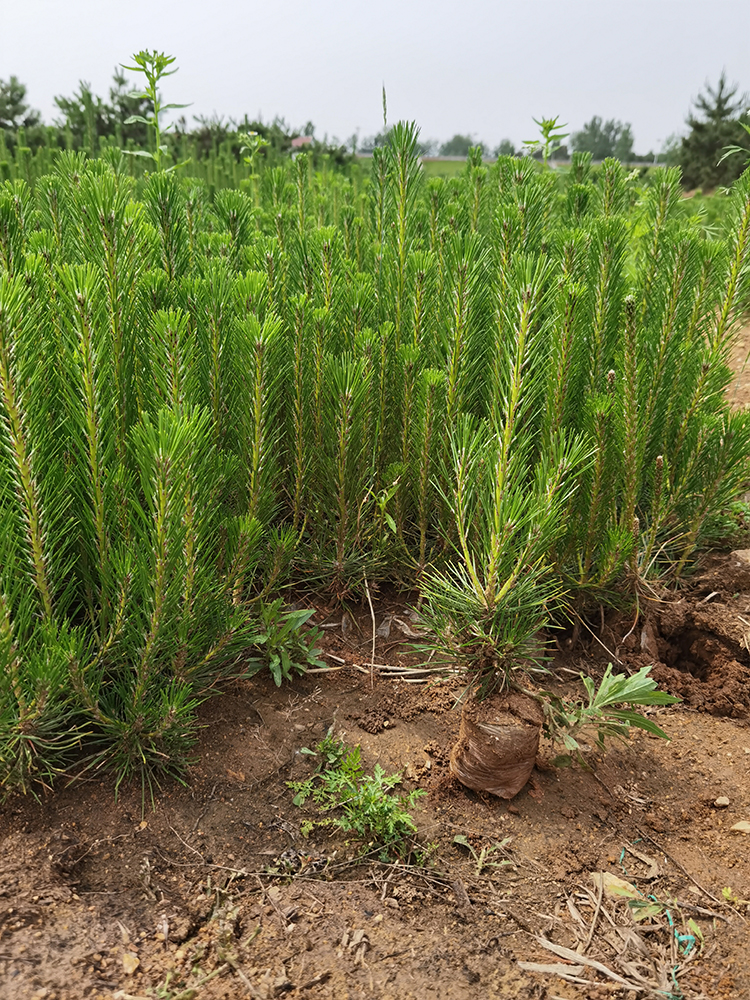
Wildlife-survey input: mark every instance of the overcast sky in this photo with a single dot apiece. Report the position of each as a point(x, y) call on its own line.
point(483, 67)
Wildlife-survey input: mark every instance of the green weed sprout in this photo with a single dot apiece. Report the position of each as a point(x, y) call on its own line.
point(252, 143)
point(550, 138)
point(283, 648)
point(368, 807)
point(481, 860)
point(153, 65)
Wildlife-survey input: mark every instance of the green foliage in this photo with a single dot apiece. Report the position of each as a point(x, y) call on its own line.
point(714, 125)
point(368, 807)
point(605, 139)
point(568, 722)
point(284, 649)
point(505, 388)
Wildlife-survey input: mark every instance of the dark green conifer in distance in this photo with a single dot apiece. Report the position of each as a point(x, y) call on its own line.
point(714, 124)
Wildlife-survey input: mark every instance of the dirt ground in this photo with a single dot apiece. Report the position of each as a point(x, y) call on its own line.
point(214, 892)
point(739, 391)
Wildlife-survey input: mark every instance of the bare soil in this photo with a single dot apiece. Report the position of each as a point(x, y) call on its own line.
point(739, 391)
point(103, 898)
point(212, 891)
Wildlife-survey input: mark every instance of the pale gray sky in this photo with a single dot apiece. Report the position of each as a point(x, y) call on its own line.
point(473, 66)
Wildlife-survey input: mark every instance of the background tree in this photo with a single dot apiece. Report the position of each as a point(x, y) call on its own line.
point(14, 109)
point(86, 116)
point(603, 139)
point(505, 148)
point(428, 147)
point(459, 145)
point(425, 147)
point(714, 123)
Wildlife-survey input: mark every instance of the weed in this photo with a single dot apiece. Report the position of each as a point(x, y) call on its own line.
point(153, 65)
point(368, 807)
point(284, 649)
point(550, 138)
point(566, 721)
point(481, 860)
point(733, 899)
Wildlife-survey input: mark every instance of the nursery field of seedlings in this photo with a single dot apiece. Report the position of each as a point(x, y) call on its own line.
point(504, 396)
point(385, 438)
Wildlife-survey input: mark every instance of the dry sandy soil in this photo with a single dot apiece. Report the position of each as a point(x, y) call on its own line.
point(214, 893)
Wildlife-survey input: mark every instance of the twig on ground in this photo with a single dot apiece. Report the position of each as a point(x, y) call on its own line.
point(608, 651)
point(701, 910)
point(595, 920)
point(245, 981)
point(372, 615)
point(205, 810)
point(410, 675)
point(185, 843)
point(272, 901)
point(570, 973)
point(574, 956)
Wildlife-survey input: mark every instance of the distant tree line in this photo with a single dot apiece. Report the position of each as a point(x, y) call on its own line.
point(84, 118)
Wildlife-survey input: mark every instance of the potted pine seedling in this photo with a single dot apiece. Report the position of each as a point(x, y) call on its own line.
point(503, 712)
point(510, 504)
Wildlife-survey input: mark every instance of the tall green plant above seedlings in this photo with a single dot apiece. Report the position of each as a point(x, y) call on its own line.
point(153, 65)
point(368, 807)
point(549, 139)
point(251, 145)
point(733, 150)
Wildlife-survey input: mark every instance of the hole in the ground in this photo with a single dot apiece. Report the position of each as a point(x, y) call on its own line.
point(708, 672)
point(700, 653)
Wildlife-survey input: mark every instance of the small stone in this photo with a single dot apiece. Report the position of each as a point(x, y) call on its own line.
point(513, 810)
point(130, 962)
point(722, 802)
